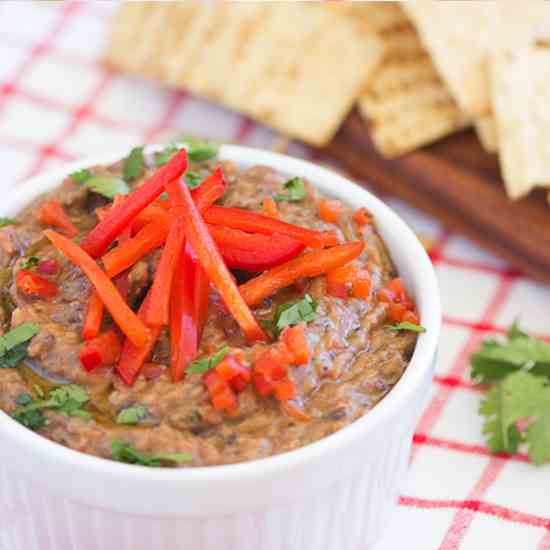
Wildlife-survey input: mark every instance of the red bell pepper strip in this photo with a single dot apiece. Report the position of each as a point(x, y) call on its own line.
point(252, 222)
point(202, 292)
point(183, 322)
point(157, 312)
point(101, 351)
point(123, 316)
point(310, 264)
point(199, 238)
point(31, 284)
point(106, 231)
point(254, 252)
point(51, 212)
point(133, 358)
point(94, 313)
point(125, 255)
point(150, 214)
point(94, 317)
point(208, 192)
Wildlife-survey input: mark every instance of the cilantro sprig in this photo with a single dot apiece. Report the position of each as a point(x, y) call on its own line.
point(134, 165)
point(204, 364)
point(405, 325)
point(30, 261)
point(108, 186)
point(296, 191)
point(192, 179)
point(123, 452)
point(197, 150)
point(68, 399)
point(517, 406)
point(8, 221)
point(13, 344)
point(295, 312)
point(132, 415)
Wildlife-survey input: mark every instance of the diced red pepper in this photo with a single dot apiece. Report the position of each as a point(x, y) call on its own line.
point(106, 231)
point(296, 342)
point(101, 351)
point(339, 281)
point(361, 284)
point(133, 357)
point(262, 385)
point(184, 341)
point(270, 208)
point(225, 401)
point(310, 264)
point(123, 316)
point(362, 217)
point(94, 317)
point(252, 222)
point(411, 317)
point(48, 267)
point(400, 306)
point(273, 363)
point(51, 213)
point(330, 210)
point(285, 389)
point(199, 238)
point(31, 284)
point(254, 252)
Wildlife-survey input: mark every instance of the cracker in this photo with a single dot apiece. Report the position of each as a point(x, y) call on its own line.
point(300, 78)
point(520, 84)
point(405, 101)
point(486, 130)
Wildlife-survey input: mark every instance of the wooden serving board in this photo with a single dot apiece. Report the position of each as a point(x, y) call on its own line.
point(459, 183)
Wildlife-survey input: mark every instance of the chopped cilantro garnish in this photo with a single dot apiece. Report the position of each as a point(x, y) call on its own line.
point(124, 452)
point(134, 165)
point(132, 415)
point(496, 359)
point(8, 221)
point(67, 399)
point(13, 344)
point(197, 150)
point(192, 179)
point(296, 191)
point(29, 262)
point(164, 196)
point(405, 325)
point(295, 312)
point(81, 176)
point(108, 186)
point(204, 364)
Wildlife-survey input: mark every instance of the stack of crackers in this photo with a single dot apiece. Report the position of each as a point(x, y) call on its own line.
point(418, 71)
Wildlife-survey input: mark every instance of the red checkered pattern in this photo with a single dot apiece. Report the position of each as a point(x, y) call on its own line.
point(59, 102)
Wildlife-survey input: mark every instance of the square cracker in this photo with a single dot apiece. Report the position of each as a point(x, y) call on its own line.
point(405, 101)
point(297, 66)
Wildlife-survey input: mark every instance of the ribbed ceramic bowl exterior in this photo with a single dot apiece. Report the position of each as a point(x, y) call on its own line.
point(336, 494)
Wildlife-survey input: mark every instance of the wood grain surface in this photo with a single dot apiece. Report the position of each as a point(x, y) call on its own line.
point(458, 182)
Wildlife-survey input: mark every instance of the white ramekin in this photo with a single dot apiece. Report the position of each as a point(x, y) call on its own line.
point(336, 494)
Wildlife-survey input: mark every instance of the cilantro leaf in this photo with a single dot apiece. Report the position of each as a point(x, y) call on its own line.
point(520, 396)
point(131, 415)
point(197, 150)
point(81, 176)
point(67, 399)
point(204, 364)
point(29, 262)
point(165, 155)
point(405, 325)
point(134, 165)
point(108, 186)
point(124, 452)
point(295, 312)
point(192, 179)
point(8, 221)
point(496, 359)
point(18, 335)
point(13, 357)
point(296, 191)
